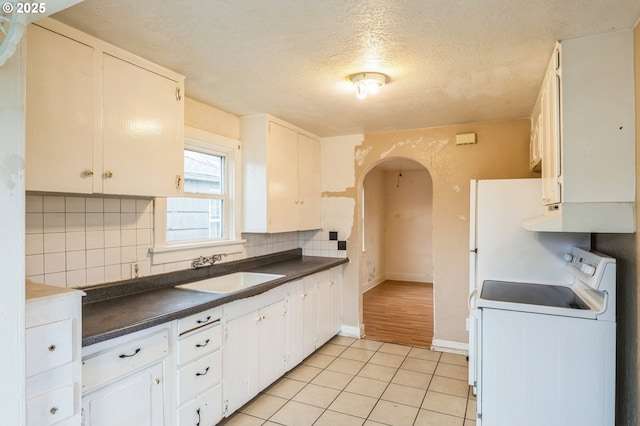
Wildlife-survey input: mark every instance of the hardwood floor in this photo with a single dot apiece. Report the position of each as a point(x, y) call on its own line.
point(399, 312)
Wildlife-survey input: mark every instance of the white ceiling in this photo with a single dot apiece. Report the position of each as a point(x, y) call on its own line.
point(450, 61)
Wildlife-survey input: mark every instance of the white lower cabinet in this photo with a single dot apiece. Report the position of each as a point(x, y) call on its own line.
point(127, 379)
point(53, 333)
point(329, 304)
point(199, 369)
point(137, 399)
point(255, 347)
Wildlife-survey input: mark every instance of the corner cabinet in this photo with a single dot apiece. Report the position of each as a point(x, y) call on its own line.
point(99, 119)
point(281, 166)
point(53, 320)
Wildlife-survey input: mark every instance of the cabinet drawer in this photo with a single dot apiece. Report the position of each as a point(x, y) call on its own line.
point(123, 359)
point(49, 346)
point(51, 407)
point(204, 410)
point(199, 343)
point(201, 319)
point(198, 376)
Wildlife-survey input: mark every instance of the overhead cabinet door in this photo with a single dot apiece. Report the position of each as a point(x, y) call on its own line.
point(142, 151)
point(60, 113)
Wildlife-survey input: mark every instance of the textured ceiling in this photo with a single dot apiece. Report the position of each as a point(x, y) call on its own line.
point(450, 61)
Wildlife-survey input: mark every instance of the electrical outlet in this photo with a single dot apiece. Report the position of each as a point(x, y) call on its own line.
point(135, 270)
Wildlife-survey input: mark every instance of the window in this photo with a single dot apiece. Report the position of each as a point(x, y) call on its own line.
point(206, 218)
point(201, 213)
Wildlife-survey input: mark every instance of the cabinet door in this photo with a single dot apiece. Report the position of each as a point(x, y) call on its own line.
point(282, 177)
point(335, 286)
point(310, 320)
point(551, 132)
point(142, 131)
point(273, 342)
point(240, 362)
point(295, 344)
point(309, 191)
point(59, 113)
point(134, 400)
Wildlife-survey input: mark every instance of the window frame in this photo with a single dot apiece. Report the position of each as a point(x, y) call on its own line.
point(164, 251)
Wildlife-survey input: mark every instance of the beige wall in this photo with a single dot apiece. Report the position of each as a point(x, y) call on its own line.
point(502, 152)
point(214, 120)
point(409, 226)
point(372, 269)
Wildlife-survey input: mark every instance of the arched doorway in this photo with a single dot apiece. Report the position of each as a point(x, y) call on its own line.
point(396, 261)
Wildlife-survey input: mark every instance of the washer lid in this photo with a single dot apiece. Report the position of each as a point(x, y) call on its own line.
point(532, 294)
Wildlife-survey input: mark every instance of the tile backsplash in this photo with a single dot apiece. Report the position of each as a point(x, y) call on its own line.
point(76, 241)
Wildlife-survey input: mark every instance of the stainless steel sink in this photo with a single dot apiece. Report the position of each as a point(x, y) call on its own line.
point(230, 283)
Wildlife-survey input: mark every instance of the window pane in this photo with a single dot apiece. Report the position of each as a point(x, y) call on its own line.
point(194, 219)
point(203, 173)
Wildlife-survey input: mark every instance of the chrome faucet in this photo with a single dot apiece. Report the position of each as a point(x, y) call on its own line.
point(203, 260)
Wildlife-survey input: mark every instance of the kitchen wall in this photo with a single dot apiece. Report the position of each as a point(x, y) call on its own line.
point(408, 226)
point(372, 262)
point(626, 249)
point(502, 151)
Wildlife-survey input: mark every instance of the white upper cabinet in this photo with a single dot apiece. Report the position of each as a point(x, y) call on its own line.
point(281, 166)
point(588, 136)
point(99, 119)
point(60, 113)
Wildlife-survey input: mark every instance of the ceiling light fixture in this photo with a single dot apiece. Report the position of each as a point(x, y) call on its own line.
point(368, 83)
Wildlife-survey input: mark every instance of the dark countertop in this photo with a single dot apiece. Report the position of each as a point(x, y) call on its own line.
point(116, 309)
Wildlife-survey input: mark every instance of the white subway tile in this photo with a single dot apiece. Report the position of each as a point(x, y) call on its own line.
point(76, 260)
point(94, 205)
point(112, 205)
point(34, 223)
point(77, 278)
point(54, 222)
point(144, 221)
point(112, 256)
point(112, 238)
point(127, 205)
point(128, 254)
point(34, 265)
point(144, 206)
point(75, 222)
point(143, 237)
point(95, 275)
point(128, 237)
point(95, 258)
point(128, 220)
point(54, 262)
point(58, 279)
point(53, 204)
point(34, 204)
point(95, 221)
point(112, 273)
point(54, 242)
point(34, 244)
point(76, 241)
point(112, 221)
point(74, 204)
point(95, 240)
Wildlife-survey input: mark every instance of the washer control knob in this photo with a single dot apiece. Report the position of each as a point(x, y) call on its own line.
point(588, 269)
point(568, 257)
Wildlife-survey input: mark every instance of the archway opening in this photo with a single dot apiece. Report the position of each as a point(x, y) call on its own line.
point(396, 261)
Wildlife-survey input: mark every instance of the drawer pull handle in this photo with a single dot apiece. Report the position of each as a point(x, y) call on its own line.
point(203, 374)
point(204, 321)
point(52, 348)
point(130, 355)
point(198, 412)
point(202, 345)
point(53, 410)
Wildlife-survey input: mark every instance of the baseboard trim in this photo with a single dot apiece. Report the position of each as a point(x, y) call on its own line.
point(373, 283)
point(416, 278)
point(351, 331)
point(450, 347)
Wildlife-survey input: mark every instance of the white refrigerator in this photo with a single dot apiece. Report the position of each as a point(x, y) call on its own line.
point(501, 249)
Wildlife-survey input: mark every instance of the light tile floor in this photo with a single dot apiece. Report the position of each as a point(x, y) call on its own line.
point(365, 382)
